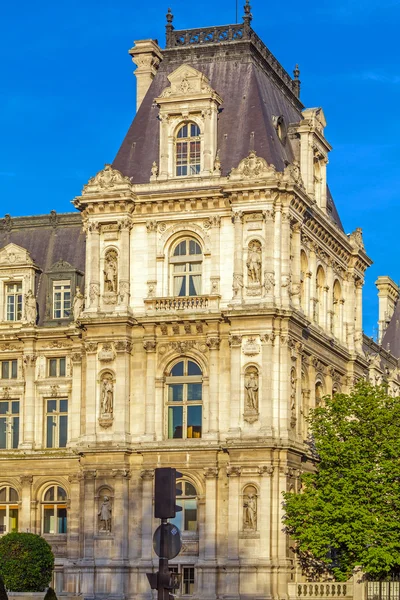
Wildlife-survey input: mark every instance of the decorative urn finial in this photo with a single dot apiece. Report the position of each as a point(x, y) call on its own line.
point(169, 28)
point(296, 81)
point(247, 18)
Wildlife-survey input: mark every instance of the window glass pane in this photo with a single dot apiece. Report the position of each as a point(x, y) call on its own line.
point(50, 432)
point(14, 369)
point(51, 405)
point(5, 369)
point(188, 580)
point(180, 250)
point(194, 130)
point(193, 368)
point(194, 285)
point(3, 516)
point(49, 495)
point(13, 526)
point(15, 432)
point(53, 366)
point(194, 391)
point(62, 520)
point(48, 520)
point(3, 432)
point(3, 493)
point(183, 132)
point(3, 408)
point(63, 431)
point(61, 493)
point(190, 490)
point(13, 495)
point(64, 406)
point(62, 367)
point(15, 407)
point(175, 393)
point(194, 421)
point(194, 247)
point(190, 515)
point(178, 519)
point(177, 370)
point(175, 422)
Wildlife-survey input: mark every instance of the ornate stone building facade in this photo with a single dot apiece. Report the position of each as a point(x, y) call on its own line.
point(200, 301)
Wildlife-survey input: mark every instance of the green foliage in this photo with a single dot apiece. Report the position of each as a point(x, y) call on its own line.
point(26, 562)
point(3, 593)
point(50, 594)
point(348, 513)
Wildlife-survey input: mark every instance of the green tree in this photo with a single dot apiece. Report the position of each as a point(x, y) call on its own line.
point(348, 511)
point(26, 562)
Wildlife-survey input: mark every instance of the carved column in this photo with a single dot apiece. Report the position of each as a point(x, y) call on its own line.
point(120, 526)
point(329, 306)
point(122, 389)
point(267, 396)
point(234, 500)
point(235, 342)
point(296, 266)
point(124, 266)
point(147, 513)
point(151, 227)
point(93, 267)
point(210, 529)
point(89, 513)
point(150, 347)
point(285, 257)
point(89, 408)
point(265, 512)
point(238, 257)
point(269, 268)
point(349, 318)
point(215, 221)
point(358, 333)
point(75, 401)
point(73, 545)
point(313, 284)
point(28, 438)
point(25, 512)
point(213, 343)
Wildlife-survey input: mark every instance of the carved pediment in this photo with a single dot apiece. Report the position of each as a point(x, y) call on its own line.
point(61, 265)
point(12, 255)
point(108, 180)
point(254, 167)
point(188, 81)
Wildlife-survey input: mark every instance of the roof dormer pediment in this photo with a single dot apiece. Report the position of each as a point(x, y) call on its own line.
point(186, 81)
point(12, 255)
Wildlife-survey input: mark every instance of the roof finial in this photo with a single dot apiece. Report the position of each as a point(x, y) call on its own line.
point(247, 18)
point(296, 82)
point(169, 28)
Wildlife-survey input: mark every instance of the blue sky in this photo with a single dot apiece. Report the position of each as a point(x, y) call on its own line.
point(67, 97)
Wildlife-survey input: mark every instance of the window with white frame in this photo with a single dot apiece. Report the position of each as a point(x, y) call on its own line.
point(8, 510)
point(186, 268)
point(9, 369)
point(13, 294)
point(56, 423)
point(186, 575)
point(56, 367)
point(188, 149)
point(184, 400)
point(186, 519)
point(61, 299)
point(54, 510)
point(9, 424)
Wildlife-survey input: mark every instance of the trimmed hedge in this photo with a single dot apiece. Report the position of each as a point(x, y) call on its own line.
point(26, 562)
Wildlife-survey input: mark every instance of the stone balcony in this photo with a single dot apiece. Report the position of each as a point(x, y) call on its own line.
point(183, 304)
point(325, 590)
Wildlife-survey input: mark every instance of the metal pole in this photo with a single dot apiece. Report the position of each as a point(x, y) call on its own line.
point(163, 570)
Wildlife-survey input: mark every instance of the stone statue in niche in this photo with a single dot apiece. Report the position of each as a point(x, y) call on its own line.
point(254, 263)
point(107, 395)
point(251, 388)
point(250, 509)
point(110, 271)
point(77, 305)
point(105, 515)
point(30, 313)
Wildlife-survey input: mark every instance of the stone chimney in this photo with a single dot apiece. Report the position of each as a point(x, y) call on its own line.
point(388, 296)
point(146, 55)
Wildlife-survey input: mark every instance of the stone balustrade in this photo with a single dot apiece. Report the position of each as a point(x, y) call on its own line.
point(321, 590)
point(182, 304)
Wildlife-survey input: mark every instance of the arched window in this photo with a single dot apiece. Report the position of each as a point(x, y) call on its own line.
point(184, 400)
point(186, 520)
point(8, 510)
point(319, 316)
point(186, 263)
point(188, 150)
point(318, 393)
point(54, 510)
point(337, 294)
point(303, 281)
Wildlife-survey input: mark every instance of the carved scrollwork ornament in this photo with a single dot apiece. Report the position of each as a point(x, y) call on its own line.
point(213, 343)
point(233, 471)
point(235, 340)
point(147, 474)
point(210, 472)
point(150, 345)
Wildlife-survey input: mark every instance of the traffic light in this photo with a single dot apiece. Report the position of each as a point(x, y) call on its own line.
point(165, 493)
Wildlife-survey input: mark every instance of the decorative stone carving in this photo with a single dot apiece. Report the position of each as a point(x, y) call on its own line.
point(5, 391)
point(124, 289)
point(150, 345)
point(12, 254)
point(104, 515)
point(210, 472)
point(233, 471)
point(254, 167)
point(251, 348)
point(123, 346)
point(250, 508)
point(235, 340)
point(292, 173)
point(356, 239)
point(214, 286)
point(76, 357)
point(77, 305)
point(237, 284)
point(154, 172)
point(151, 289)
point(107, 353)
point(107, 395)
point(110, 271)
point(217, 164)
point(91, 347)
point(251, 385)
point(254, 263)
point(293, 416)
point(107, 180)
point(184, 80)
point(269, 282)
point(30, 360)
point(213, 343)
point(30, 313)
point(94, 293)
point(26, 479)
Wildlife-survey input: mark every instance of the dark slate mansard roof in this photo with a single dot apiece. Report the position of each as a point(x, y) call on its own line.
point(254, 88)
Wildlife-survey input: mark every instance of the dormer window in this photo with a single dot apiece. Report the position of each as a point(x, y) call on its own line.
point(188, 150)
point(14, 301)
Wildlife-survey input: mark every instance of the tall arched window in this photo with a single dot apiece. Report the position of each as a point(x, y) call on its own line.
point(186, 520)
point(54, 510)
point(184, 400)
point(8, 510)
point(188, 148)
point(186, 264)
